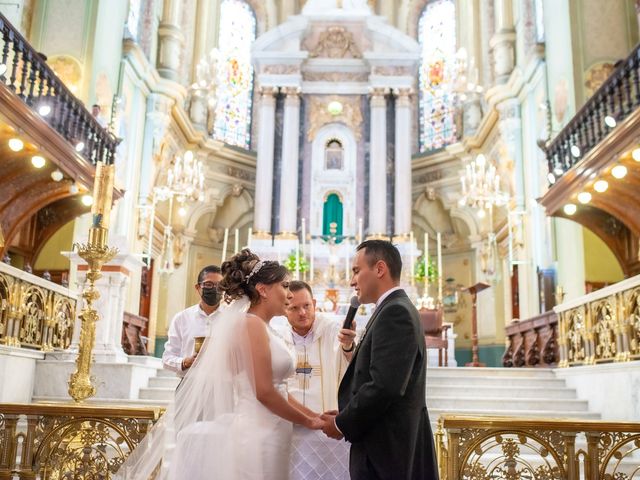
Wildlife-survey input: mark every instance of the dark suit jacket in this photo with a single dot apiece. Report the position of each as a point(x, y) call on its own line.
point(383, 410)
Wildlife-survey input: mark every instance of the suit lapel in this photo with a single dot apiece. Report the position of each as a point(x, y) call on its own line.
point(392, 296)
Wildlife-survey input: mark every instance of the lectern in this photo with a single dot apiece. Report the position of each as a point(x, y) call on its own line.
point(474, 290)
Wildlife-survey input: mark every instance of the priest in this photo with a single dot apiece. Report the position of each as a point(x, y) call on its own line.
point(323, 350)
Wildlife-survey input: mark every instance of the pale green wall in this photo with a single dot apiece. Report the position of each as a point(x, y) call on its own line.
point(50, 257)
point(600, 263)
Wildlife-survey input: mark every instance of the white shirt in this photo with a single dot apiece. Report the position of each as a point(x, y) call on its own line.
point(386, 294)
point(185, 326)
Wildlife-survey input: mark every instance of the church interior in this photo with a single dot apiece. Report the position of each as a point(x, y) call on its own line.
point(490, 140)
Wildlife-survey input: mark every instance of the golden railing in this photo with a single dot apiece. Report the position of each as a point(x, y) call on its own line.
point(497, 448)
point(603, 326)
point(68, 441)
point(34, 313)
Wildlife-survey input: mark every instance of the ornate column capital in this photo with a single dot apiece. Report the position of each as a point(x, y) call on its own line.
point(292, 95)
point(268, 91)
point(378, 95)
point(403, 96)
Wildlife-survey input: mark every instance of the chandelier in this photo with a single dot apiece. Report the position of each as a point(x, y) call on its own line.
point(481, 191)
point(184, 183)
point(465, 84)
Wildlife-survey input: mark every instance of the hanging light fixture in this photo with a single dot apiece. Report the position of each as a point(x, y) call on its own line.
point(184, 181)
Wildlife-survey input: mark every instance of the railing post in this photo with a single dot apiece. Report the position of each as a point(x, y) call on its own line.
point(592, 464)
point(453, 438)
point(571, 466)
point(8, 453)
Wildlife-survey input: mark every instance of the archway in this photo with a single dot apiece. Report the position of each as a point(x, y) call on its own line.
point(332, 213)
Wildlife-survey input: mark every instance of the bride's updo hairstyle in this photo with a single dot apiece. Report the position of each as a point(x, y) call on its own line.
point(242, 272)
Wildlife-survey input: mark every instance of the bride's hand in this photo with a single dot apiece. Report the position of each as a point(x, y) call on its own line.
point(314, 423)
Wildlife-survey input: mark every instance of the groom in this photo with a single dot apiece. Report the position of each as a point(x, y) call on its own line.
point(382, 394)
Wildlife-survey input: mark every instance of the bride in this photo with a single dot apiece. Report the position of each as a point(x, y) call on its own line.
point(232, 417)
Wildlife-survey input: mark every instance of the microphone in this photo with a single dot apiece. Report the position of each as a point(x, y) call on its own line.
point(353, 308)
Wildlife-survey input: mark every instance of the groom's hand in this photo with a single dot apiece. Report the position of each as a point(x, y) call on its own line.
point(329, 427)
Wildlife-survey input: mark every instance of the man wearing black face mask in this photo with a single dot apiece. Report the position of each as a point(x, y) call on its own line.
point(193, 322)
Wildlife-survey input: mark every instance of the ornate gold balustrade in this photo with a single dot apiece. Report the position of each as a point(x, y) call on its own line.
point(34, 313)
point(603, 326)
point(68, 441)
point(497, 448)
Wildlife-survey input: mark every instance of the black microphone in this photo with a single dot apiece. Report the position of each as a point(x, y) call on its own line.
point(353, 309)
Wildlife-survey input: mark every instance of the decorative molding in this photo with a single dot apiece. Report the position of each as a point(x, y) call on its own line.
point(335, 42)
point(335, 76)
point(319, 116)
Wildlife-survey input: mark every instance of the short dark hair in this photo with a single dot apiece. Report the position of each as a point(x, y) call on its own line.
point(376, 250)
point(297, 285)
point(208, 269)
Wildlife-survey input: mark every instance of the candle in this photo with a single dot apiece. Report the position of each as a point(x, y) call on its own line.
point(411, 256)
point(304, 236)
point(360, 230)
point(426, 264)
point(311, 261)
point(249, 234)
point(298, 260)
point(439, 246)
point(236, 246)
point(224, 245)
point(346, 265)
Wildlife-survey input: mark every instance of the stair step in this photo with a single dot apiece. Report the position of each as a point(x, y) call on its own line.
point(560, 406)
point(434, 413)
point(464, 391)
point(495, 380)
point(491, 372)
point(156, 393)
point(164, 382)
point(162, 372)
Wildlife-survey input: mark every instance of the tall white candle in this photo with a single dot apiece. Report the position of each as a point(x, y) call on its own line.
point(298, 260)
point(439, 246)
point(346, 265)
point(311, 262)
point(224, 245)
point(236, 246)
point(412, 257)
point(426, 263)
point(249, 235)
point(304, 237)
point(359, 230)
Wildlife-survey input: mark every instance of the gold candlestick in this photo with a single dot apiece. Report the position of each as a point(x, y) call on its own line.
point(96, 253)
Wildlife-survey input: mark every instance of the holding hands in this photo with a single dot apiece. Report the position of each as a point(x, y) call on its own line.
point(329, 427)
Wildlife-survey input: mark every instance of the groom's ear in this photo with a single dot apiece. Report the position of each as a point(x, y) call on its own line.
point(381, 268)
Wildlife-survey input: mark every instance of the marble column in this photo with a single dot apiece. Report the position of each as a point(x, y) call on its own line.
point(290, 153)
point(503, 41)
point(378, 164)
point(403, 144)
point(264, 167)
point(170, 40)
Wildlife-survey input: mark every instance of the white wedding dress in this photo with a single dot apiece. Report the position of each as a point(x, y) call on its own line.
point(223, 431)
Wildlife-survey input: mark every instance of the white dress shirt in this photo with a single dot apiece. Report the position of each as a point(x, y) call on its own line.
point(185, 326)
point(386, 294)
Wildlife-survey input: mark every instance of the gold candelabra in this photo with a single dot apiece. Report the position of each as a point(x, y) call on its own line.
point(96, 253)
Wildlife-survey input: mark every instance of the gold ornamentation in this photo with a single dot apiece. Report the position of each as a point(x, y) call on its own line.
point(319, 116)
point(603, 330)
point(67, 441)
point(96, 253)
point(483, 448)
point(32, 315)
point(335, 42)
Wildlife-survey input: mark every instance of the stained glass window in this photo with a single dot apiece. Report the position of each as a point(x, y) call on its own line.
point(437, 37)
point(235, 73)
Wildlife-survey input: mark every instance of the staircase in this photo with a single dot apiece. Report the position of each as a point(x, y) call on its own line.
point(521, 392)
